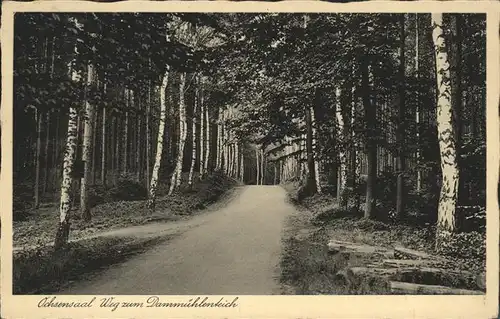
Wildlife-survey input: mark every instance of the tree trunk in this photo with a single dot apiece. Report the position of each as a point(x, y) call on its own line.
point(219, 137)
point(400, 192)
point(117, 156)
point(236, 160)
point(342, 176)
point(257, 180)
point(311, 179)
point(39, 119)
point(202, 133)
point(371, 146)
point(87, 148)
point(46, 154)
point(103, 142)
point(207, 135)
point(138, 142)
point(446, 223)
point(55, 156)
point(159, 144)
point(417, 101)
point(242, 167)
point(113, 142)
point(354, 158)
point(62, 233)
point(125, 132)
point(193, 156)
point(148, 136)
point(94, 146)
point(315, 151)
point(176, 177)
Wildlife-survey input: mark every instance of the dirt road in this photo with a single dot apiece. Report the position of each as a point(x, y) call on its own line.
point(232, 250)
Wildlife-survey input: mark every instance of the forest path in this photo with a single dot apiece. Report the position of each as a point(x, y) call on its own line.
point(232, 250)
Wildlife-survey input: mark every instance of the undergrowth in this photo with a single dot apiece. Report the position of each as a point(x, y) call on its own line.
point(308, 267)
point(42, 271)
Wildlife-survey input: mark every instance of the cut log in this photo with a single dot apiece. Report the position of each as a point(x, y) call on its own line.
point(409, 288)
point(374, 271)
point(335, 246)
point(408, 263)
point(481, 280)
point(406, 253)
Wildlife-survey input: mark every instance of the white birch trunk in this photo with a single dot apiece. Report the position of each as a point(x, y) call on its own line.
point(219, 138)
point(342, 154)
point(446, 223)
point(159, 144)
point(202, 133)
point(193, 156)
point(262, 167)
point(315, 152)
point(87, 148)
point(176, 177)
point(242, 167)
point(236, 160)
point(207, 136)
point(69, 160)
point(257, 180)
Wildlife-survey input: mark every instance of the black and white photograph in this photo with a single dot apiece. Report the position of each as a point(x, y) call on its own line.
point(237, 154)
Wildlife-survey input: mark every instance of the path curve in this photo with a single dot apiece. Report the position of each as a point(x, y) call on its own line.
point(232, 250)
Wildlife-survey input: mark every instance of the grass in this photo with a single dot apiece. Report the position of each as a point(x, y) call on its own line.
point(43, 271)
point(310, 268)
point(39, 227)
point(38, 269)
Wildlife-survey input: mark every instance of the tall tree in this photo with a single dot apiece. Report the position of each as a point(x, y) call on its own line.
point(87, 145)
point(177, 176)
point(194, 142)
point(446, 223)
point(401, 165)
point(159, 144)
point(371, 145)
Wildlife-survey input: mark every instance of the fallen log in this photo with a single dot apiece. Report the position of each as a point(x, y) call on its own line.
point(335, 246)
point(407, 263)
point(373, 271)
point(409, 288)
point(406, 253)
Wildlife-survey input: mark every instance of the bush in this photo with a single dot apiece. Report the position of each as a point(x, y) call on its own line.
point(22, 201)
point(128, 189)
point(328, 214)
point(465, 245)
point(97, 194)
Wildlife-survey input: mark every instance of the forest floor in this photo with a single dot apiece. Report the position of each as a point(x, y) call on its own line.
point(344, 254)
point(117, 231)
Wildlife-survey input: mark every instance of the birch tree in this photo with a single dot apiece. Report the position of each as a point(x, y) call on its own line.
point(87, 147)
point(446, 223)
point(342, 154)
point(159, 144)
point(207, 135)
point(315, 151)
point(194, 142)
point(177, 175)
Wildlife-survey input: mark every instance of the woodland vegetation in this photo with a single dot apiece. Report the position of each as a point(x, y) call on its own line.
point(382, 113)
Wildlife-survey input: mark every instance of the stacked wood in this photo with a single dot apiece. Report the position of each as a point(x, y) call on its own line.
point(335, 246)
point(410, 288)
